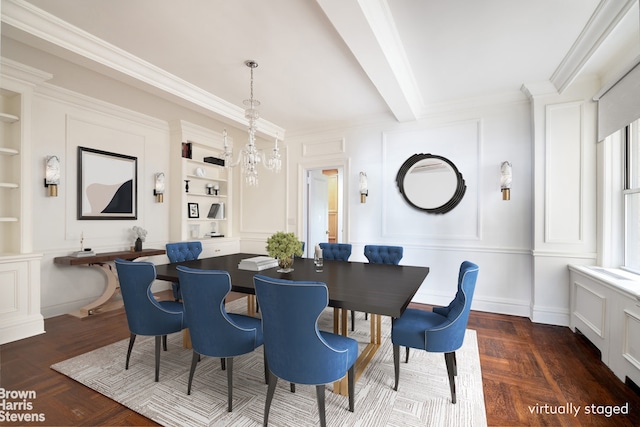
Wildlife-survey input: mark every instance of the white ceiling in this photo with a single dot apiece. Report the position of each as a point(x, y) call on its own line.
point(335, 61)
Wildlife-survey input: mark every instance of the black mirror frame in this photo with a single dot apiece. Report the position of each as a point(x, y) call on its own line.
point(461, 187)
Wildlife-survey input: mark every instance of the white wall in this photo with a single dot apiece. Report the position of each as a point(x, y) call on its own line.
point(62, 121)
point(483, 228)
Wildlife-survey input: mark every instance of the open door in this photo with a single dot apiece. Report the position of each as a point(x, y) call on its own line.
point(318, 212)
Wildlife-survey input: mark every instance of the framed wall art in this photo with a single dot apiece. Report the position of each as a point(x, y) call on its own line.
point(193, 210)
point(107, 185)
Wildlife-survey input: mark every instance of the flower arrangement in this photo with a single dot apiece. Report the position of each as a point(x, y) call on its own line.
point(284, 245)
point(139, 233)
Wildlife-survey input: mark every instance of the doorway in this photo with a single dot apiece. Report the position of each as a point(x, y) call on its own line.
point(324, 213)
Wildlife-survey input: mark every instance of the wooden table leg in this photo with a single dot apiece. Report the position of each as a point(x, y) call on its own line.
point(341, 386)
point(109, 292)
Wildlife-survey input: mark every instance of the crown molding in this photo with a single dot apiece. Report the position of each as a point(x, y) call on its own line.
point(36, 22)
point(605, 18)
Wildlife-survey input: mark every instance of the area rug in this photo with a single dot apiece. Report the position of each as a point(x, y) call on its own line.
point(422, 399)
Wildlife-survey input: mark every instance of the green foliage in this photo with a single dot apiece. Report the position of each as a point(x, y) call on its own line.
point(282, 245)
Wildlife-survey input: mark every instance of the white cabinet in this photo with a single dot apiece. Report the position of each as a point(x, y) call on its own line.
point(605, 308)
point(200, 191)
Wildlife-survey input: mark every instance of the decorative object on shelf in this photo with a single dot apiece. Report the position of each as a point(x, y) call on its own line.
point(214, 161)
point(186, 150)
point(250, 156)
point(505, 180)
point(364, 189)
point(158, 191)
point(186, 185)
point(209, 189)
point(52, 175)
point(284, 246)
point(199, 172)
point(107, 185)
point(216, 189)
point(193, 210)
point(140, 235)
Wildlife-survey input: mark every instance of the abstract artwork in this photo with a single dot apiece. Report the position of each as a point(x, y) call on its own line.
point(107, 185)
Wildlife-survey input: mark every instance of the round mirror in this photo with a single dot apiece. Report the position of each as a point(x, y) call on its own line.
point(430, 183)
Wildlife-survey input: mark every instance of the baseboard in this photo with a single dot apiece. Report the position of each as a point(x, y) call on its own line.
point(23, 328)
point(550, 316)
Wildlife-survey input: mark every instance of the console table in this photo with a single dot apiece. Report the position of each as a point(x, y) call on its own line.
point(102, 261)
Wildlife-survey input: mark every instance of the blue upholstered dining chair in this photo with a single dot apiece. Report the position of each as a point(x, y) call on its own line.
point(439, 331)
point(214, 332)
point(336, 251)
point(296, 350)
point(145, 315)
point(380, 254)
point(179, 252)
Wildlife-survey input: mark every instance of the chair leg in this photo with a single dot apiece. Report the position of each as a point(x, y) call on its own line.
point(353, 320)
point(158, 340)
point(194, 362)
point(321, 412)
point(396, 364)
point(164, 342)
point(406, 358)
point(132, 339)
point(266, 367)
point(351, 376)
point(223, 364)
point(455, 364)
point(229, 383)
point(272, 388)
point(449, 359)
point(292, 387)
point(366, 316)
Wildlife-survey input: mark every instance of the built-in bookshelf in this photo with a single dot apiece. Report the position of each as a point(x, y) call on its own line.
point(201, 185)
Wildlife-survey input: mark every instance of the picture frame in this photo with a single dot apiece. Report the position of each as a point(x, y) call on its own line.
point(107, 185)
point(193, 210)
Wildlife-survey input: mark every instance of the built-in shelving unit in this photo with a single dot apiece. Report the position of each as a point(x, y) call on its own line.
point(10, 171)
point(209, 188)
point(20, 315)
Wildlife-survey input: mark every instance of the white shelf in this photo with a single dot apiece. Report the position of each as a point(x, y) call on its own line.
point(8, 185)
point(8, 118)
point(219, 196)
point(8, 151)
point(8, 219)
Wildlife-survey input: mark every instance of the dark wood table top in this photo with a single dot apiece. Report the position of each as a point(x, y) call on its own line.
point(373, 288)
point(106, 257)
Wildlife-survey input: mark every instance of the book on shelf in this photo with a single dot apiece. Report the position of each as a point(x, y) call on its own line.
point(258, 263)
point(81, 254)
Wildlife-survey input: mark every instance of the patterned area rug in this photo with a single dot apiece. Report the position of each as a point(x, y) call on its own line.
point(422, 399)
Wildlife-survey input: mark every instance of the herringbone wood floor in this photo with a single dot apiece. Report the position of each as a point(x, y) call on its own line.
point(523, 365)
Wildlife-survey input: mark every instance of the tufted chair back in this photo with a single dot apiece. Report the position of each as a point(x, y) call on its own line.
point(183, 251)
point(179, 252)
point(336, 251)
point(377, 254)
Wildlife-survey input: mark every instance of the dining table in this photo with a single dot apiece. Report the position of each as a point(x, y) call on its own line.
point(377, 289)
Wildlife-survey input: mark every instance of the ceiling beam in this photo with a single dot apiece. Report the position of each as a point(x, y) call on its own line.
point(368, 29)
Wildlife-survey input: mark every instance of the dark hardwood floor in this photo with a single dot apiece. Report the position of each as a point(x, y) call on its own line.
point(529, 371)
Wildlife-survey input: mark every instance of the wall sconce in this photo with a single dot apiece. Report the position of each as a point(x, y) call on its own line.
point(505, 180)
point(364, 189)
point(158, 191)
point(52, 175)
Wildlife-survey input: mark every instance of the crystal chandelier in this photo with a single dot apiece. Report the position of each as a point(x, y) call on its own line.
point(250, 156)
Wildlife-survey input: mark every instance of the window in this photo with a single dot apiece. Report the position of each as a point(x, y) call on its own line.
point(631, 196)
